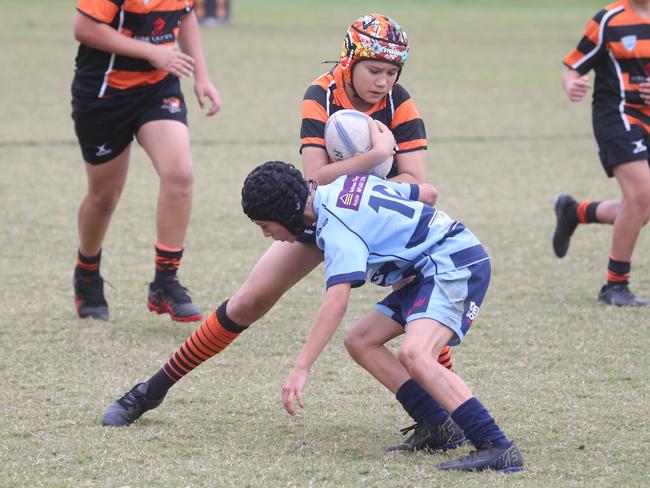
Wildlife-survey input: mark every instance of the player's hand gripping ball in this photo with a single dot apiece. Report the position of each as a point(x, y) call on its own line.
point(347, 134)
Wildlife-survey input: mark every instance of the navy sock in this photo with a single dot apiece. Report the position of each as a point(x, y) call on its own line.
point(158, 385)
point(478, 424)
point(419, 404)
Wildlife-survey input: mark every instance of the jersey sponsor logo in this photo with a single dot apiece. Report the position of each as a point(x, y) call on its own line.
point(158, 27)
point(629, 42)
point(472, 312)
point(157, 34)
point(171, 104)
point(103, 150)
point(639, 146)
point(350, 196)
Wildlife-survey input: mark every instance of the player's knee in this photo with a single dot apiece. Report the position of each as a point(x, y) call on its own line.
point(104, 201)
point(354, 342)
point(248, 305)
point(410, 357)
point(180, 181)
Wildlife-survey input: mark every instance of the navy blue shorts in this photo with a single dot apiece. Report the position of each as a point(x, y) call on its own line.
point(106, 126)
point(452, 299)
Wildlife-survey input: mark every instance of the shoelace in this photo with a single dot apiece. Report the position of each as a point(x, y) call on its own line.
point(177, 292)
point(408, 429)
point(92, 290)
point(132, 398)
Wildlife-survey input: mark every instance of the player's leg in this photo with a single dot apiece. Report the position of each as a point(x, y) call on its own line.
point(105, 183)
point(425, 337)
point(616, 145)
point(281, 266)
point(569, 213)
point(365, 341)
point(164, 135)
point(454, 298)
point(632, 214)
point(103, 129)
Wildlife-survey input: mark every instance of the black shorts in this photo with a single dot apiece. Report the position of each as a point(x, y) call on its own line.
point(106, 126)
point(623, 148)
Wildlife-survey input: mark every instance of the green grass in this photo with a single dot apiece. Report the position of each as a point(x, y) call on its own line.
point(565, 377)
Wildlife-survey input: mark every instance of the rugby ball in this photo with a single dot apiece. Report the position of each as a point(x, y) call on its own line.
point(347, 134)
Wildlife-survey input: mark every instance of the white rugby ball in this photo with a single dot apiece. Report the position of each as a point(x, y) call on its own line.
point(347, 134)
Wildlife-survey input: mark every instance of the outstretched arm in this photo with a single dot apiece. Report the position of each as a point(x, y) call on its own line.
point(327, 319)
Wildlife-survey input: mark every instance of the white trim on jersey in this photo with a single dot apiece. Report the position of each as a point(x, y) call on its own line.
point(102, 90)
point(621, 106)
point(601, 30)
point(328, 95)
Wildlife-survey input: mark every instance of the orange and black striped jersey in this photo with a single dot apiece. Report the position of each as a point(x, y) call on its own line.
point(99, 73)
point(326, 95)
point(616, 45)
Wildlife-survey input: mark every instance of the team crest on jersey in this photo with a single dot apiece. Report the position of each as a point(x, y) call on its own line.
point(350, 196)
point(171, 104)
point(629, 42)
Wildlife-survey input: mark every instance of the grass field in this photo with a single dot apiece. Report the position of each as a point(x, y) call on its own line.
point(565, 377)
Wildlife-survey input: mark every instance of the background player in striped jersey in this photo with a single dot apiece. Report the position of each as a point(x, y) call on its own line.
point(380, 231)
point(373, 55)
point(127, 84)
point(616, 45)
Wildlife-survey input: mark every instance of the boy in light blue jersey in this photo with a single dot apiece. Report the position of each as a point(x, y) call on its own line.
point(384, 232)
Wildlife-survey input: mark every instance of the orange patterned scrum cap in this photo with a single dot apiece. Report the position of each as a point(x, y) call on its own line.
point(373, 36)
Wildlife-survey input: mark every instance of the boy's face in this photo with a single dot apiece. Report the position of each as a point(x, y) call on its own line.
point(275, 231)
point(374, 79)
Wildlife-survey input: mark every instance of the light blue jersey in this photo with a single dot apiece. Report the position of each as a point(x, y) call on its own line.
point(376, 230)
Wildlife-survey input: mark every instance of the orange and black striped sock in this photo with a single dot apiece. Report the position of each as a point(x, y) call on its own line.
point(214, 334)
point(444, 358)
point(586, 212)
point(168, 259)
point(618, 272)
point(88, 266)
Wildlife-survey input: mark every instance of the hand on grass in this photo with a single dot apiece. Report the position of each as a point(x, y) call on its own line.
point(292, 389)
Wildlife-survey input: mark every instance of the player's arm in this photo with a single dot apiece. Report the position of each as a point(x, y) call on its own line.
point(410, 167)
point(427, 194)
point(327, 319)
point(102, 36)
point(189, 40)
point(575, 85)
point(317, 165)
